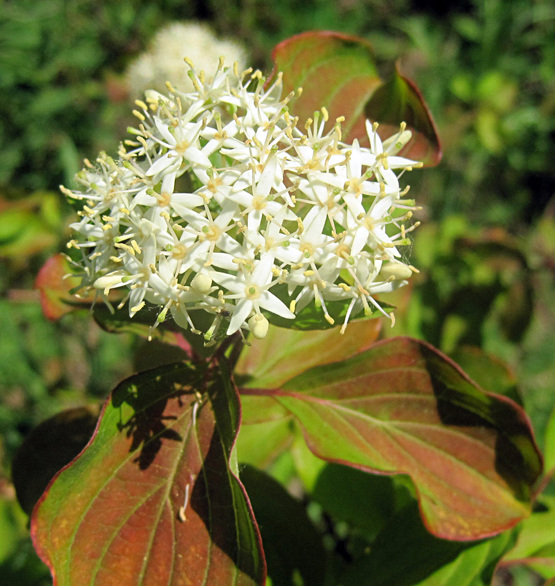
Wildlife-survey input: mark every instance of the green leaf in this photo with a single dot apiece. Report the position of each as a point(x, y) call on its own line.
point(268, 363)
point(490, 372)
point(399, 100)
point(266, 430)
point(339, 72)
point(307, 465)
point(23, 232)
point(364, 501)
point(312, 317)
point(259, 444)
point(536, 541)
point(404, 408)
point(283, 354)
point(405, 554)
point(549, 451)
point(293, 548)
point(153, 498)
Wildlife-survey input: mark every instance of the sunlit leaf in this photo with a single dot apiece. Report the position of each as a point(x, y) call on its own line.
point(54, 288)
point(312, 317)
point(271, 361)
point(259, 444)
point(283, 354)
point(403, 407)
point(335, 70)
point(339, 72)
point(266, 430)
point(153, 498)
point(24, 230)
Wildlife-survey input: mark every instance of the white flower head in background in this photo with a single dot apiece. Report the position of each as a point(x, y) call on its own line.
point(164, 60)
point(221, 205)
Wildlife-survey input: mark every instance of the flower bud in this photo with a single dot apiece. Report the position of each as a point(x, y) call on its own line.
point(258, 325)
point(109, 281)
point(397, 270)
point(201, 283)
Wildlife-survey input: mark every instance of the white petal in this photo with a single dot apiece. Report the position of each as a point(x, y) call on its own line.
point(162, 163)
point(196, 156)
point(271, 303)
point(164, 131)
point(168, 183)
point(267, 178)
point(262, 273)
point(242, 311)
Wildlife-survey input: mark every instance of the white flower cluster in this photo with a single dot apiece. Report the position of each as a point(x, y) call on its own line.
point(164, 59)
point(219, 202)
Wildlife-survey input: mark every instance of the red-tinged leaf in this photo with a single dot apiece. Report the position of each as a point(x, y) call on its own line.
point(268, 363)
point(283, 354)
point(153, 498)
point(399, 100)
point(404, 408)
point(54, 289)
point(335, 70)
point(339, 72)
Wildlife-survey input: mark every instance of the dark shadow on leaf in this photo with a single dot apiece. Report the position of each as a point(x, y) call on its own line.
point(148, 396)
point(218, 497)
point(517, 459)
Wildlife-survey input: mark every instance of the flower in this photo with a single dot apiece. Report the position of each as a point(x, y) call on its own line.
point(164, 60)
point(220, 204)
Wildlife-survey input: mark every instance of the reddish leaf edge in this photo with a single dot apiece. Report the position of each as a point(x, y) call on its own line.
point(438, 154)
point(309, 34)
point(41, 552)
point(523, 418)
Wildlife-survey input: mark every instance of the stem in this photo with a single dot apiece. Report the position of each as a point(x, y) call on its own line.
point(225, 345)
point(236, 349)
point(525, 561)
point(261, 392)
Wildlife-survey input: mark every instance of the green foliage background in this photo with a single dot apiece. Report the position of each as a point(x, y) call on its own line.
point(486, 249)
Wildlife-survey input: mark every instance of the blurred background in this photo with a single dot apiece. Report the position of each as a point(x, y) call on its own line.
point(69, 72)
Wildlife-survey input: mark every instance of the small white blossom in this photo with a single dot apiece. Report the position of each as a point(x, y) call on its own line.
point(164, 59)
point(220, 204)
